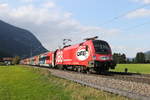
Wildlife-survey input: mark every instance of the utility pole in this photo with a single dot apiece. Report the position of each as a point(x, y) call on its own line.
point(31, 50)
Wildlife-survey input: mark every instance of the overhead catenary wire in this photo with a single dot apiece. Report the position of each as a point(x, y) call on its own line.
point(123, 14)
point(136, 26)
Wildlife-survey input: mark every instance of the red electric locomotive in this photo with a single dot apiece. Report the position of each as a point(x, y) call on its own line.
point(91, 55)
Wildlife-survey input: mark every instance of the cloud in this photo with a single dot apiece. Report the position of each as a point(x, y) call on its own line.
point(50, 24)
point(3, 5)
point(26, 0)
point(130, 44)
point(129, 51)
point(68, 14)
point(138, 13)
point(49, 5)
point(142, 1)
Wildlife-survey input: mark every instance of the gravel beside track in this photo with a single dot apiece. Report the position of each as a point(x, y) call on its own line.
point(133, 77)
point(131, 89)
point(131, 85)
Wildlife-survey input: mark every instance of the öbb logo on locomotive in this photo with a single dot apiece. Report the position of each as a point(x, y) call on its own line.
point(82, 54)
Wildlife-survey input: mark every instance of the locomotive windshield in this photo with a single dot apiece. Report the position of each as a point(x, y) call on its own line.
point(101, 47)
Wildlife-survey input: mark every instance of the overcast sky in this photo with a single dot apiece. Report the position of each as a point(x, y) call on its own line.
point(53, 20)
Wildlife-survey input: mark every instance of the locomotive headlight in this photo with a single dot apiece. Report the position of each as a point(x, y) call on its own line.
point(94, 57)
point(104, 58)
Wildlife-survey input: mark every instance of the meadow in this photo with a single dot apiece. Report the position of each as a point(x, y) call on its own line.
point(133, 68)
point(27, 83)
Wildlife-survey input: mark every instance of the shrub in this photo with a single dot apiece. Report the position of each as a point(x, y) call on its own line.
point(2, 63)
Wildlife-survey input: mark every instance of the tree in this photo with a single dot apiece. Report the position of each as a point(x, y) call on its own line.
point(119, 58)
point(115, 57)
point(123, 58)
point(16, 60)
point(140, 57)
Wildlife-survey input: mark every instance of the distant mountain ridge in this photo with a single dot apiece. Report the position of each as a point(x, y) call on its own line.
point(15, 41)
point(148, 52)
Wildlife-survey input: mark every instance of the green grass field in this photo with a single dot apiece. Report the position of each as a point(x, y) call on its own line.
point(134, 68)
point(26, 83)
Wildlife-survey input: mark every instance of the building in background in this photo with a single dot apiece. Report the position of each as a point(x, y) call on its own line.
point(6, 60)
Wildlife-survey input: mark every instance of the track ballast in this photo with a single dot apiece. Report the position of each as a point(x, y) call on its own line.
point(136, 86)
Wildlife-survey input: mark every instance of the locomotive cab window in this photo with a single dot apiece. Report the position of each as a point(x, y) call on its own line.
point(101, 47)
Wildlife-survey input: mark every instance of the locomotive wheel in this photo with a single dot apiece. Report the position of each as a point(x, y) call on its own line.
point(89, 71)
point(79, 69)
point(60, 67)
point(64, 67)
point(103, 71)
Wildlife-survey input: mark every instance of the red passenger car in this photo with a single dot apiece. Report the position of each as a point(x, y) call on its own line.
point(45, 59)
point(36, 60)
point(49, 59)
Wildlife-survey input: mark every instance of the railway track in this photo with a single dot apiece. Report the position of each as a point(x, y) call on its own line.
point(133, 77)
point(135, 86)
point(108, 89)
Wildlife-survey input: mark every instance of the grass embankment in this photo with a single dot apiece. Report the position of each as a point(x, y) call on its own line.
point(24, 83)
point(134, 68)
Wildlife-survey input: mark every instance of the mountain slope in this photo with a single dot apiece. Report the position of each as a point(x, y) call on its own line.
point(15, 41)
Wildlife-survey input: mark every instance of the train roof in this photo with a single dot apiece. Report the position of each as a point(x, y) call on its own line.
point(76, 45)
point(92, 38)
